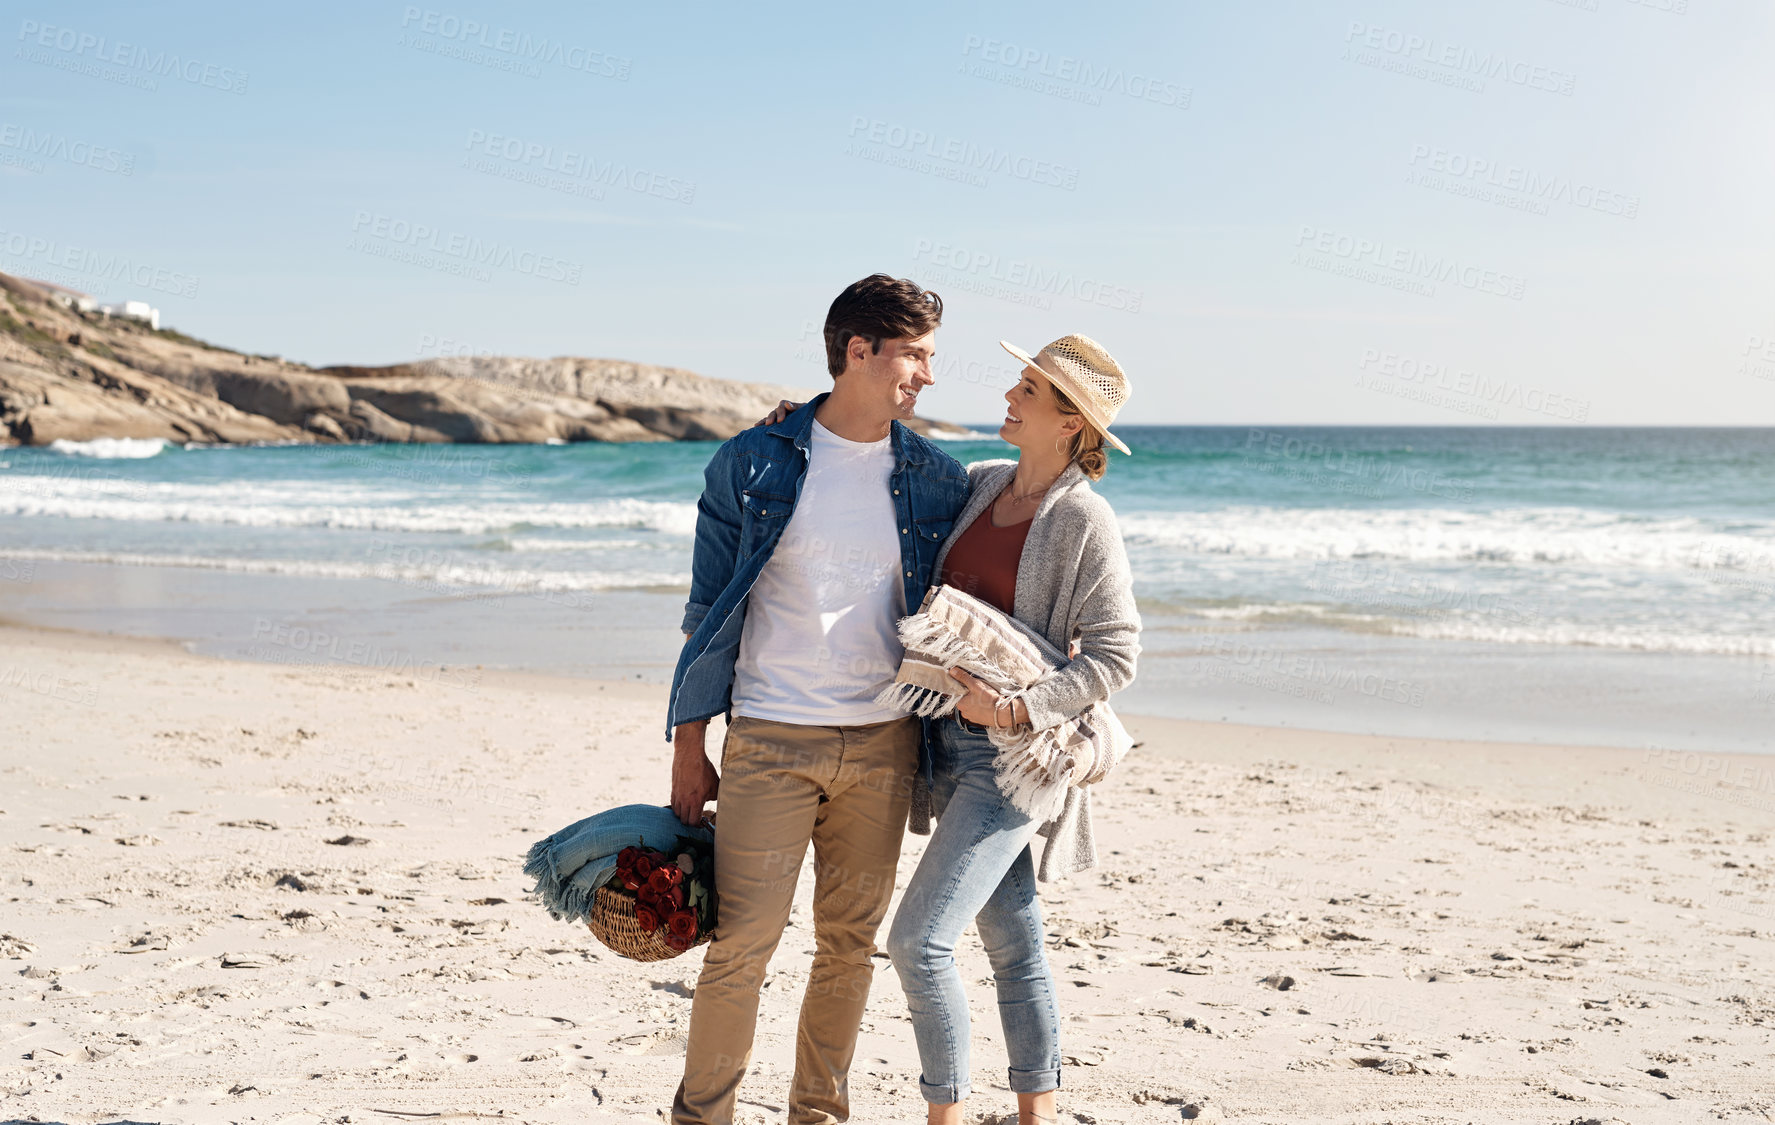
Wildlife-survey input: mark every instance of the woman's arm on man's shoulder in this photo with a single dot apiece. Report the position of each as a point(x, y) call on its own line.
point(784, 408)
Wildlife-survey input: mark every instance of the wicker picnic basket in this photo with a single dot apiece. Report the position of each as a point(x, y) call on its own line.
point(613, 922)
point(610, 871)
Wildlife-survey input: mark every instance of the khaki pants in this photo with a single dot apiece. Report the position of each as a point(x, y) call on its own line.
point(847, 790)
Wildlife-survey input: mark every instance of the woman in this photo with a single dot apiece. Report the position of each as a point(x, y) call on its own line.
point(1039, 544)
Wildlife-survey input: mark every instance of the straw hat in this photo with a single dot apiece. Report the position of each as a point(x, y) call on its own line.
point(1087, 374)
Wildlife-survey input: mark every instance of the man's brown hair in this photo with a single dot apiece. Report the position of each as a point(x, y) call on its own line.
point(878, 308)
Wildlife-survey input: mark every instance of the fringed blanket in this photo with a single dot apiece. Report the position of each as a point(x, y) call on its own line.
point(570, 865)
point(1035, 768)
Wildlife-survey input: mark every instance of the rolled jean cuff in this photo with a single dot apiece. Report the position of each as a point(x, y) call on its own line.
point(1034, 1081)
point(947, 1095)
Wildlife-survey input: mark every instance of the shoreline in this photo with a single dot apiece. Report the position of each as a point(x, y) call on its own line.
point(1311, 681)
point(1743, 779)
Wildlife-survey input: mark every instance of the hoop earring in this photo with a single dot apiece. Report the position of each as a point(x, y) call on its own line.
point(1057, 448)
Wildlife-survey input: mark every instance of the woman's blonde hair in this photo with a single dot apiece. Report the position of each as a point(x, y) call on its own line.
point(1086, 446)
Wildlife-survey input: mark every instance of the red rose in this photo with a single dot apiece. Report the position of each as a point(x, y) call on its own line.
point(673, 874)
point(682, 924)
point(626, 858)
point(630, 881)
point(646, 917)
point(675, 896)
point(644, 866)
point(678, 944)
point(660, 881)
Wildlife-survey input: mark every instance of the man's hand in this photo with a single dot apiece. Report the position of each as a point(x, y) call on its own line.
point(694, 780)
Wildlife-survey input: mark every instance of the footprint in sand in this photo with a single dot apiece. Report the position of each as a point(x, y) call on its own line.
point(304, 921)
point(11, 947)
point(659, 1042)
point(147, 943)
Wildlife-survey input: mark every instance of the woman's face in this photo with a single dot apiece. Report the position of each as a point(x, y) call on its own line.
point(1032, 416)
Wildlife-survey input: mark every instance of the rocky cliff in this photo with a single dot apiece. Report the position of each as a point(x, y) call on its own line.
point(79, 376)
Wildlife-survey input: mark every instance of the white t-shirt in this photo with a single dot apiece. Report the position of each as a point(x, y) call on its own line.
point(819, 640)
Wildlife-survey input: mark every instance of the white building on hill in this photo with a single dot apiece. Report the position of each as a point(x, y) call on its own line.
point(63, 296)
point(75, 299)
point(135, 310)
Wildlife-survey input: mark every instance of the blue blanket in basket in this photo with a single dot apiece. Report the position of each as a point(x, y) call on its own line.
point(574, 862)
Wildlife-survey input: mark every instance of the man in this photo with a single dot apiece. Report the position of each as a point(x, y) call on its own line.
point(814, 536)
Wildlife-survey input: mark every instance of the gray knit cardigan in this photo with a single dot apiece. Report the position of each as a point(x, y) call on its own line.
point(1073, 583)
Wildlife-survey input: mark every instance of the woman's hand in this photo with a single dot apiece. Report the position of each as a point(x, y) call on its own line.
point(983, 706)
point(783, 410)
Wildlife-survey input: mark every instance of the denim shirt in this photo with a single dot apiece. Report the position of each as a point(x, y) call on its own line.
point(750, 488)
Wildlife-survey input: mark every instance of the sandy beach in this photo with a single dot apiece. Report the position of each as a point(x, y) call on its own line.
point(382, 389)
point(253, 892)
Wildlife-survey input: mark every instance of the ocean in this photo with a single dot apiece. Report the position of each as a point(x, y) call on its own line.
point(1600, 585)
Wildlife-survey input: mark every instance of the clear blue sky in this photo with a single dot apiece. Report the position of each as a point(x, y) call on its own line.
point(1266, 211)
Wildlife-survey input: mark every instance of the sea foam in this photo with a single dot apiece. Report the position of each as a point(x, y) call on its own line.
point(128, 449)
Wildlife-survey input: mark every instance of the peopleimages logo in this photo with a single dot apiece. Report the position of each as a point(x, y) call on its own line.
point(1069, 77)
point(56, 146)
point(963, 156)
point(85, 53)
point(1364, 583)
point(536, 157)
point(1404, 262)
point(981, 265)
point(518, 46)
point(1759, 357)
point(1523, 181)
point(446, 347)
point(474, 256)
point(298, 644)
point(1312, 671)
point(93, 263)
point(1481, 388)
point(1369, 42)
point(1286, 454)
point(49, 684)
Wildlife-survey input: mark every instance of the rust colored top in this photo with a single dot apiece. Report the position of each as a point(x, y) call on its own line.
point(983, 562)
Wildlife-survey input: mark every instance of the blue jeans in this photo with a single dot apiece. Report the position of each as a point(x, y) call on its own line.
point(978, 866)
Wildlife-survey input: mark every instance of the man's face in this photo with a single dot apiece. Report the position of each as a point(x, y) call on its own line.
point(897, 373)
